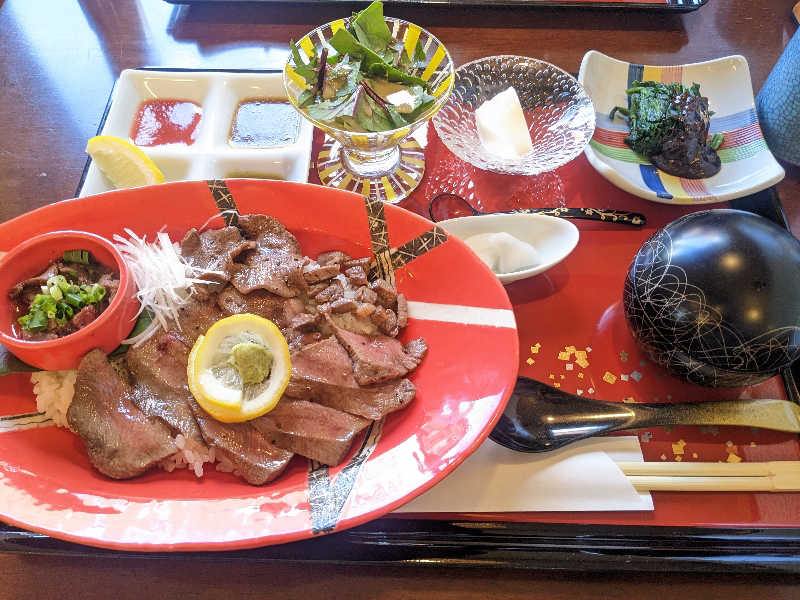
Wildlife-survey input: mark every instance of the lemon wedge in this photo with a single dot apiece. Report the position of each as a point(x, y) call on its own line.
point(124, 164)
point(236, 348)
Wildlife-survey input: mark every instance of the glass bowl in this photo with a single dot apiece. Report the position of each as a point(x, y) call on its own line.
point(386, 165)
point(559, 113)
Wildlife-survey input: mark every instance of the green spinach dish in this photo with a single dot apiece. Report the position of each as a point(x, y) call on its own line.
point(369, 82)
point(669, 125)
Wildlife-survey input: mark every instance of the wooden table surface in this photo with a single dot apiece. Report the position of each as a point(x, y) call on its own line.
point(59, 61)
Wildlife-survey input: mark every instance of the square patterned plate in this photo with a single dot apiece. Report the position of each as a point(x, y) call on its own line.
point(747, 164)
point(211, 156)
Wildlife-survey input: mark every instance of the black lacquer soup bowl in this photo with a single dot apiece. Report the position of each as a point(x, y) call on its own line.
point(714, 297)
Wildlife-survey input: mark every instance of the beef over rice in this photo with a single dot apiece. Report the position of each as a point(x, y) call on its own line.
point(348, 366)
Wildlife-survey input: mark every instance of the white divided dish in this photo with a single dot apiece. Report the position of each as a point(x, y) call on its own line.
point(553, 238)
point(210, 156)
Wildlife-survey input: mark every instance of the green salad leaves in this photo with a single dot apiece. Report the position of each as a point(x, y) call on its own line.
point(368, 83)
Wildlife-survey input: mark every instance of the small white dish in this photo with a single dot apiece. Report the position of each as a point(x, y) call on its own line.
point(747, 164)
point(211, 156)
point(553, 238)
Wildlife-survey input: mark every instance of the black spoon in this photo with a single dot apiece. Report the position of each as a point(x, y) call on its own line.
point(448, 206)
point(539, 418)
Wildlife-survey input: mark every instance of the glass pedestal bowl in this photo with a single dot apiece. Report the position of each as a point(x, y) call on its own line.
point(558, 112)
point(386, 165)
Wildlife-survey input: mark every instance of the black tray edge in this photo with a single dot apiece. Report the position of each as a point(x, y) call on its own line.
point(523, 546)
point(673, 7)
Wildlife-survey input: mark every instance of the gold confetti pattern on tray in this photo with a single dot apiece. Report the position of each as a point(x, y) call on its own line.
point(569, 367)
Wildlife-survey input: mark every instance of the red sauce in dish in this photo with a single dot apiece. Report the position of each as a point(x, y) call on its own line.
point(160, 122)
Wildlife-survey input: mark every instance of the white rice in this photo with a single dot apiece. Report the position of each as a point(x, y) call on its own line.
point(190, 455)
point(54, 391)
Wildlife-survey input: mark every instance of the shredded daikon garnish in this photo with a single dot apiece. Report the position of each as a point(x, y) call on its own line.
point(219, 215)
point(164, 279)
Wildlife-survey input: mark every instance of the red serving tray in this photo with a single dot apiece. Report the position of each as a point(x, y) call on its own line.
point(578, 304)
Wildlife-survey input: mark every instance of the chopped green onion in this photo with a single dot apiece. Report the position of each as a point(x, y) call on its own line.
point(77, 256)
point(93, 293)
point(34, 321)
point(73, 299)
point(65, 310)
point(59, 300)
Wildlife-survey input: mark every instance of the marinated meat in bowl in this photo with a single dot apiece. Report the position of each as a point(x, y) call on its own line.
point(68, 295)
point(62, 294)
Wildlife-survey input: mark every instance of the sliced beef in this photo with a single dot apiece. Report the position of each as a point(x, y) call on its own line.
point(416, 349)
point(314, 273)
point(195, 317)
point(262, 303)
point(214, 250)
point(402, 311)
point(332, 257)
point(307, 339)
point(158, 367)
point(275, 265)
point(36, 281)
point(255, 459)
point(311, 430)
point(385, 319)
point(385, 292)
point(343, 305)
point(323, 372)
point(357, 262)
point(364, 294)
point(269, 232)
point(379, 358)
point(315, 289)
point(334, 291)
point(305, 322)
point(325, 361)
point(365, 310)
point(110, 281)
point(371, 402)
point(120, 439)
point(356, 276)
point(84, 316)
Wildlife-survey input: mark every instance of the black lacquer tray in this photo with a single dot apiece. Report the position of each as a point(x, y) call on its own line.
point(518, 545)
point(551, 546)
point(668, 5)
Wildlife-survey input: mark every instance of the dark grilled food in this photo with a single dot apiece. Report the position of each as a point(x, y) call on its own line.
point(348, 367)
point(669, 125)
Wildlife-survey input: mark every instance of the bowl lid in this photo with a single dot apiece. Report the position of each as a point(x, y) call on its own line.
point(723, 286)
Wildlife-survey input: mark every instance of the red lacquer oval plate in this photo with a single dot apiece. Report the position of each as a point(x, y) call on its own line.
point(456, 304)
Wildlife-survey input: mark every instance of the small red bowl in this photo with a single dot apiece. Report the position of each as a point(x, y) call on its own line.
point(106, 332)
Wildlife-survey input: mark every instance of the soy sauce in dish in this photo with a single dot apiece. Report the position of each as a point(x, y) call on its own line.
point(161, 121)
point(264, 123)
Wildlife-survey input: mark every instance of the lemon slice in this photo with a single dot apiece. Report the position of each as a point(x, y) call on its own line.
point(216, 383)
point(124, 164)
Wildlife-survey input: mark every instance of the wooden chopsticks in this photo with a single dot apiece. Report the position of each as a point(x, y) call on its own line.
point(774, 476)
